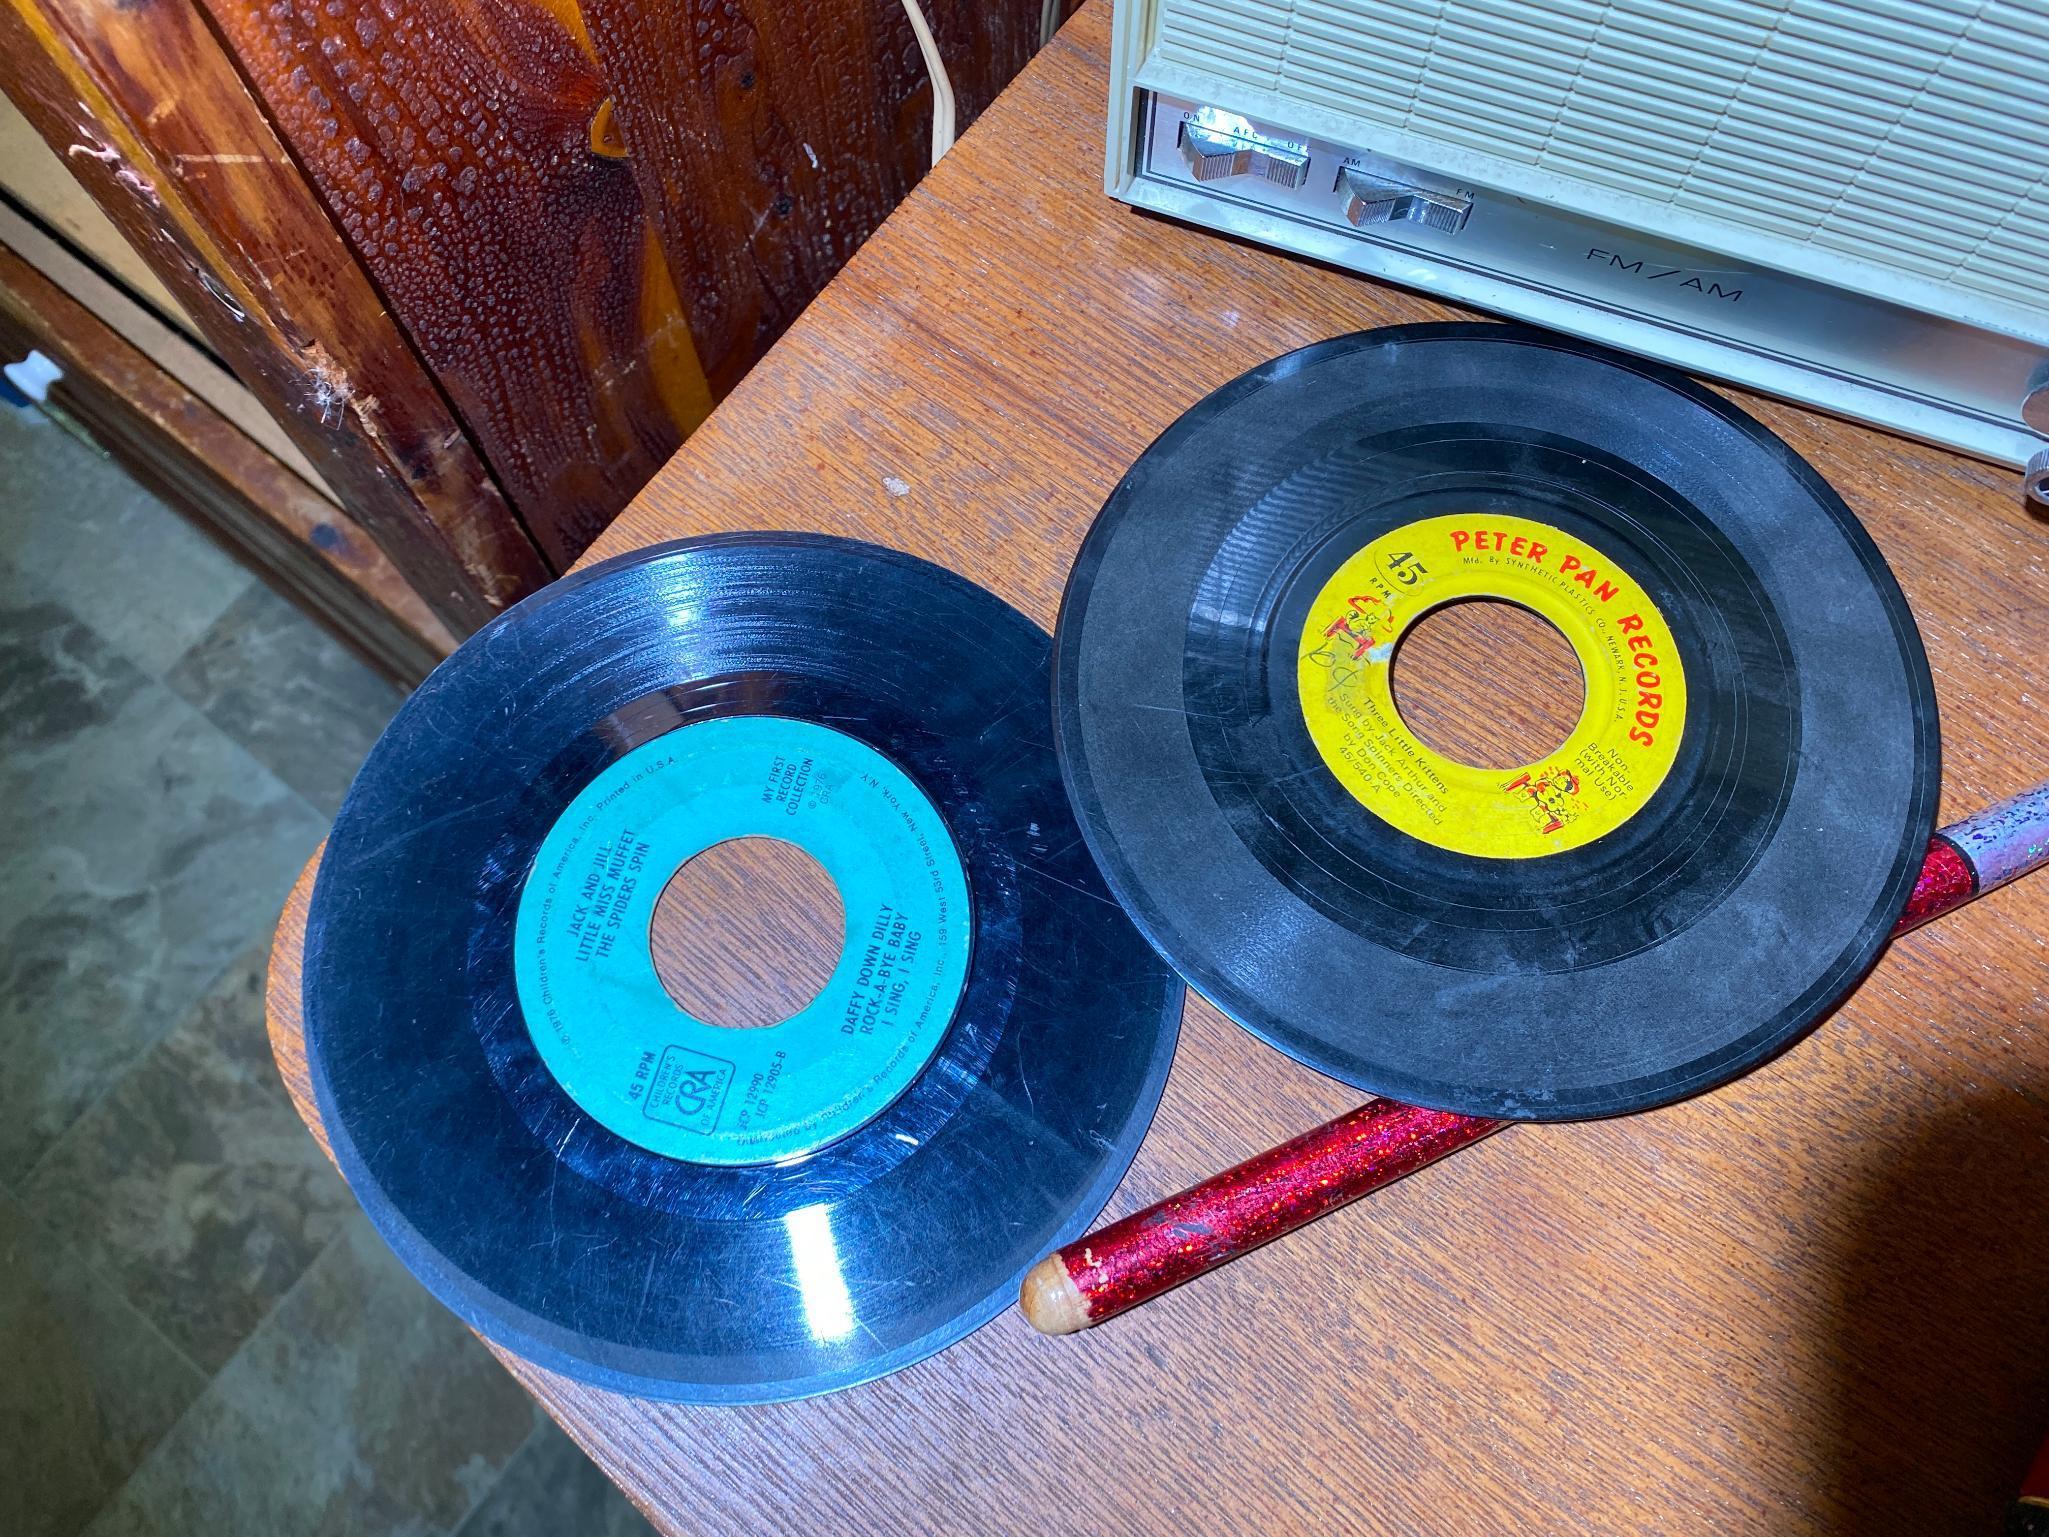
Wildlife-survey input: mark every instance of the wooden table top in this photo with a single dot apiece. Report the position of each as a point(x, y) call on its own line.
point(1811, 1301)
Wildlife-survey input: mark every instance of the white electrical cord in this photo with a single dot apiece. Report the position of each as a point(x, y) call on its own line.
point(942, 85)
point(1049, 21)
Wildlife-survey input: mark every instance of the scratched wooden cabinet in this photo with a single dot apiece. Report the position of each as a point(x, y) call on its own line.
point(488, 261)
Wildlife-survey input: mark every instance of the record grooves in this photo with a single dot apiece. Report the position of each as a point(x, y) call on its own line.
point(1713, 857)
point(642, 1200)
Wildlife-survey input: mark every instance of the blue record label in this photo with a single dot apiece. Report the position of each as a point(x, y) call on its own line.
point(674, 1084)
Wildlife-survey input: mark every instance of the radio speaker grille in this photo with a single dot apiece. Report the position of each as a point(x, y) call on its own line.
point(1911, 134)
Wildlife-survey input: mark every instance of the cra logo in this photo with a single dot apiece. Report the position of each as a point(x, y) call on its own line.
point(687, 1089)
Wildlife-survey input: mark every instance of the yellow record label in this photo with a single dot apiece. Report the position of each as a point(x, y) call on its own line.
point(1617, 756)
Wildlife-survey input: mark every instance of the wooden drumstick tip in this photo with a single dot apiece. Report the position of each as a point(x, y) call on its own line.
point(1049, 1299)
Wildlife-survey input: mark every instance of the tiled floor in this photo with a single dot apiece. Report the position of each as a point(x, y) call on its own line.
point(199, 1333)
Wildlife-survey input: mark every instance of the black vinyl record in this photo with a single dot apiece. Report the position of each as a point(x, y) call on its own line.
point(623, 1192)
point(1713, 857)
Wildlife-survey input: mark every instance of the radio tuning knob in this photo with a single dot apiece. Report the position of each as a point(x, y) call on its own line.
point(1371, 199)
point(1219, 144)
point(2035, 479)
point(2035, 412)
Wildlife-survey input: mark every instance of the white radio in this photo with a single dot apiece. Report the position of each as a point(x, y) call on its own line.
point(1838, 201)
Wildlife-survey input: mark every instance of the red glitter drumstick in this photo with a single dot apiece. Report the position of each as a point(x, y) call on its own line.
point(1135, 1258)
point(2028, 1516)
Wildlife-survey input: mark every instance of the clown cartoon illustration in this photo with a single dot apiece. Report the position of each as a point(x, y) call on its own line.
point(1553, 797)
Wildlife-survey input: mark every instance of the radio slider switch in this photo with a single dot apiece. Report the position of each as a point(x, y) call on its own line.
point(1219, 144)
point(1371, 199)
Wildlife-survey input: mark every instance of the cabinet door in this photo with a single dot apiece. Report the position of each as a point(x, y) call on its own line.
point(591, 218)
point(492, 259)
point(151, 114)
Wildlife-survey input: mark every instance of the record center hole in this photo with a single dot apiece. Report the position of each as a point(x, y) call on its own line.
point(747, 933)
point(1489, 684)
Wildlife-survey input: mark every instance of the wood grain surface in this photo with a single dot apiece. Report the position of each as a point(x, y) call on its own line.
point(770, 915)
point(591, 216)
point(769, 140)
point(452, 141)
point(1810, 1302)
point(148, 110)
point(1487, 683)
